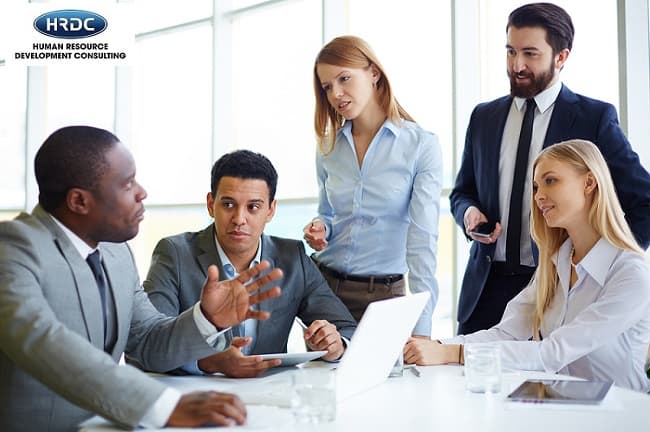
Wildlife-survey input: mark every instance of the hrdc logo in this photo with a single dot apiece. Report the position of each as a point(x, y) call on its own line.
point(70, 24)
point(69, 34)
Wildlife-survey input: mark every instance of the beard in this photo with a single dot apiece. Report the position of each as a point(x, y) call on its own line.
point(536, 85)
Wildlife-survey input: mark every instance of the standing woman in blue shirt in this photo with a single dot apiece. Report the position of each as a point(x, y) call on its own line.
point(380, 177)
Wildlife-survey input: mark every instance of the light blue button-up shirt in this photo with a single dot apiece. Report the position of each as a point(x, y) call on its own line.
point(249, 327)
point(382, 217)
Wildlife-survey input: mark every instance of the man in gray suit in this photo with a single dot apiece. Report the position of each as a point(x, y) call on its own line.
point(65, 321)
point(241, 202)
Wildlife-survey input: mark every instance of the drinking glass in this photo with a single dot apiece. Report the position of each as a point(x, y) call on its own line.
point(314, 395)
point(482, 368)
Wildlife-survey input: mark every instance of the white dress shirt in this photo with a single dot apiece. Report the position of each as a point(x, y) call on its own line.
point(545, 102)
point(598, 330)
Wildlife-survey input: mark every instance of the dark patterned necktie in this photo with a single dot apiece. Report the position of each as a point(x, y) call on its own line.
point(93, 261)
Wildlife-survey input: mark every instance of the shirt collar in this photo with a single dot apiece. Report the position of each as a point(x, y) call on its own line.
point(599, 260)
point(346, 129)
point(230, 270)
point(80, 245)
point(596, 263)
point(544, 100)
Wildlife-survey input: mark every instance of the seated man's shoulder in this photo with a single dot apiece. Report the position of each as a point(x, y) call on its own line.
point(284, 245)
point(286, 252)
point(24, 226)
point(186, 240)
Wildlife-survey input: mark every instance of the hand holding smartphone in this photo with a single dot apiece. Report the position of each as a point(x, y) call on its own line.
point(482, 230)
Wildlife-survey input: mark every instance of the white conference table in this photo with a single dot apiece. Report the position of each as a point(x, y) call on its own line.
point(435, 401)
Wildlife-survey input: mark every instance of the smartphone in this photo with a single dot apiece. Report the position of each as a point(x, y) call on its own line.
point(483, 230)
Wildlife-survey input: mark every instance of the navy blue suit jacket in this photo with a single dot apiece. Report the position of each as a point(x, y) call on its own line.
point(574, 116)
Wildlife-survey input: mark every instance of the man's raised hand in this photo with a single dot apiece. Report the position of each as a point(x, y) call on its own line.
point(227, 303)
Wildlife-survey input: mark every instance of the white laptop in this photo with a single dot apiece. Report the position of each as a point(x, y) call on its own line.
point(377, 342)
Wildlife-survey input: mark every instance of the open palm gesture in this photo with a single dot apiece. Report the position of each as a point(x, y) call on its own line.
point(227, 303)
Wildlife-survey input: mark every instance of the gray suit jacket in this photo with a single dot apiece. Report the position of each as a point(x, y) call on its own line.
point(178, 271)
point(53, 370)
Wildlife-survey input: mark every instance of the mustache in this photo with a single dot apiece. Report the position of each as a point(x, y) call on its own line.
point(522, 75)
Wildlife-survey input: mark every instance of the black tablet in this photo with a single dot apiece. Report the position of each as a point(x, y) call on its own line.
point(561, 391)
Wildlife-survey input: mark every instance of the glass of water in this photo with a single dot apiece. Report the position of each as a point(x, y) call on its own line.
point(314, 395)
point(482, 368)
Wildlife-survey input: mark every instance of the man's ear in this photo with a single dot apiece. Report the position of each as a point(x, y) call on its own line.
point(561, 58)
point(209, 202)
point(79, 201)
point(271, 212)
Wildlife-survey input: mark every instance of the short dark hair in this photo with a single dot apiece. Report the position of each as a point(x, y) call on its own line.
point(245, 164)
point(552, 18)
point(72, 157)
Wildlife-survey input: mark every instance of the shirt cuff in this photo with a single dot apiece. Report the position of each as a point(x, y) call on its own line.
point(422, 327)
point(459, 340)
point(209, 332)
point(193, 368)
point(159, 413)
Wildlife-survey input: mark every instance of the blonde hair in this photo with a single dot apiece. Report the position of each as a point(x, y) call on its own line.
point(352, 52)
point(605, 216)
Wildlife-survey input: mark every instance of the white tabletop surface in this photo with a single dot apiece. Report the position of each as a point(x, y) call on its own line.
point(435, 401)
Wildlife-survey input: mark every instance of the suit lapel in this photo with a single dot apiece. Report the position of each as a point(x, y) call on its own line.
point(498, 120)
point(495, 122)
point(269, 253)
point(265, 329)
point(563, 117)
point(121, 285)
point(559, 129)
point(207, 252)
point(85, 284)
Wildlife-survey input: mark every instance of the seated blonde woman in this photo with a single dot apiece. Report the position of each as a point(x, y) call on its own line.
point(586, 312)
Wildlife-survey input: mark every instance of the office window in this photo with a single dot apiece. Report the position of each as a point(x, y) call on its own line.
point(592, 67)
point(5, 215)
point(79, 95)
point(172, 114)
point(416, 54)
point(240, 4)
point(156, 14)
point(413, 42)
point(172, 129)
point(13, 87)
point(273, 102)
point(290, 217)
point(162, 222)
